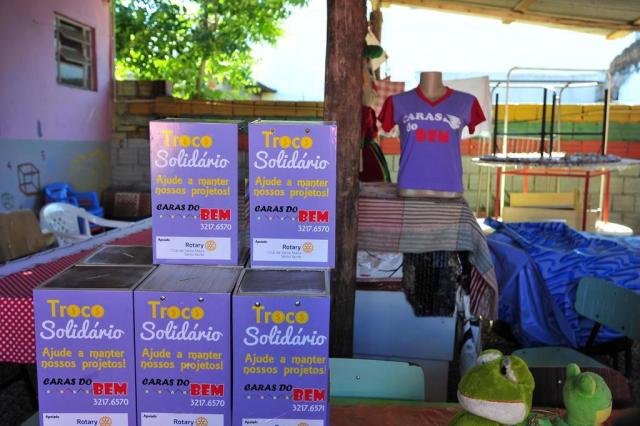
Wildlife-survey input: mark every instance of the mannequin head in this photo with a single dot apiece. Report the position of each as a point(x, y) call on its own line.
point(431, 84)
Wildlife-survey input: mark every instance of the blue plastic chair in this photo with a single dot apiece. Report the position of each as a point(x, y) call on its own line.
point(607, 304)
point(60, 192)
point(367, 378)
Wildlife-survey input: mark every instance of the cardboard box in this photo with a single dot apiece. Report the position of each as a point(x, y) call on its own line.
point(571, 217)
point(183, 345)
point(292, 193)
point(281, 348)
point(566, 200)
point(85, 346)
point(549, 206)
point(116, 255)
point(130, 205)
point(194, 191)
point(20, 235)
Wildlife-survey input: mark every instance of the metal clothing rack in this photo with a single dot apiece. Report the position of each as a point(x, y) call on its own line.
point(554, 121)
point(557, 87)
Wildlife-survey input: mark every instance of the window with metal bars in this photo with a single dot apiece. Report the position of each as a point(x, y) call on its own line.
point(75, 55)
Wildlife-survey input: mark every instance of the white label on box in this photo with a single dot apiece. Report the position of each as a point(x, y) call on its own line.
point(281, 422)
point(206, 248)
point(156, 419)
point(276, 250)
point(98, 419)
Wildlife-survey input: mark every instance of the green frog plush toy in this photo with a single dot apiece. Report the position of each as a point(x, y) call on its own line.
point(497, 391)
point(586, 397)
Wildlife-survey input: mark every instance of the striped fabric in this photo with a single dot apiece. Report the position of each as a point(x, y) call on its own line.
point(417, 225)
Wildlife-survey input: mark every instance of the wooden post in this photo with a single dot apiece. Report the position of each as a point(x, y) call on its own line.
point(346, 30)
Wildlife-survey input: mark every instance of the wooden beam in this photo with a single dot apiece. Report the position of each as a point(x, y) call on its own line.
point(505, 14)
point(521, 7)
point(617, 34)
point(346, 30)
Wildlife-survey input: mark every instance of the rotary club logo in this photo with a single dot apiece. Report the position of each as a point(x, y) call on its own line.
point(210, 245)
point(201, 421)
point(307, 247)
point(105, 421)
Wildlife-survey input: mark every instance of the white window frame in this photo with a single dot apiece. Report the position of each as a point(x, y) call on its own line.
point(85, 35)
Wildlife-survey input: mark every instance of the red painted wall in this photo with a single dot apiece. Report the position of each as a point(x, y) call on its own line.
point(472, 147)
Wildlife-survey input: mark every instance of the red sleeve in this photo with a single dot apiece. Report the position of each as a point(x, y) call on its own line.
point(476, 117)
point(386, 115)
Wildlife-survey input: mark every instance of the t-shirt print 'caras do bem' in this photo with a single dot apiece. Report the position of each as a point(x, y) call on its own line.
point(430, 133)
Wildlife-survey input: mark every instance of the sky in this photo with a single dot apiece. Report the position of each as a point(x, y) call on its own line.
point(426, 40)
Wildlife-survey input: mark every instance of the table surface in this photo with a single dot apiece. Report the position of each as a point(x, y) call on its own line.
point(376, 412)
point(17, 335)
point(622, 164)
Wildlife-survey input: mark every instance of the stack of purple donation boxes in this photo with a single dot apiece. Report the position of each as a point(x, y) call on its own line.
point(180, 332)
point(281, 304)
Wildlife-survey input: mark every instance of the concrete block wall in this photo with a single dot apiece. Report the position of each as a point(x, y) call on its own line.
point(130, 164)
point(139, 102)
point(130, 137)
point(624, 204)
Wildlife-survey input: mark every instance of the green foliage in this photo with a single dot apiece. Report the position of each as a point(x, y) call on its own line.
point(196, 44)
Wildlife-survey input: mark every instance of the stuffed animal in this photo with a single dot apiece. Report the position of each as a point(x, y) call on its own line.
point(586, 397)
point(498, 390)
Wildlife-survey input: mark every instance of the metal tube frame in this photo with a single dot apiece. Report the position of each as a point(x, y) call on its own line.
point(500, 175)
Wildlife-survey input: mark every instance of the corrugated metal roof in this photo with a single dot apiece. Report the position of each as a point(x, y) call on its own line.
point(610, 18)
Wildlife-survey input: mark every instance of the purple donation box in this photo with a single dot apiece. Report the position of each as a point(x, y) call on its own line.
point(194, 191)
point(281, 348)
point(292, 193)
point(116, 255)
point(183, 345)
point(84, 346)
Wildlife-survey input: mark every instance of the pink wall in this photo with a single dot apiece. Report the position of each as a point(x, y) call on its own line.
point(28, 88)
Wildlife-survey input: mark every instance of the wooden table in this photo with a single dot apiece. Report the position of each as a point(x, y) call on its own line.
point(371, 412)
point(377, 412)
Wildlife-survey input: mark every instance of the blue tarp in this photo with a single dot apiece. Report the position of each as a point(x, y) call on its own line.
point(539, 265)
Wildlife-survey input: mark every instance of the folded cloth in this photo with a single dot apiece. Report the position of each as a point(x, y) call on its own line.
point(389, 223)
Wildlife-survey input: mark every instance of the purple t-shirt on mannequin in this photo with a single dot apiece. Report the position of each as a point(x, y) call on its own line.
point(430, 134)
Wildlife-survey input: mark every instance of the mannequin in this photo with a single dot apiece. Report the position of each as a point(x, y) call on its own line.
point(431, 85)
point(430, 119)
point(433, 89)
